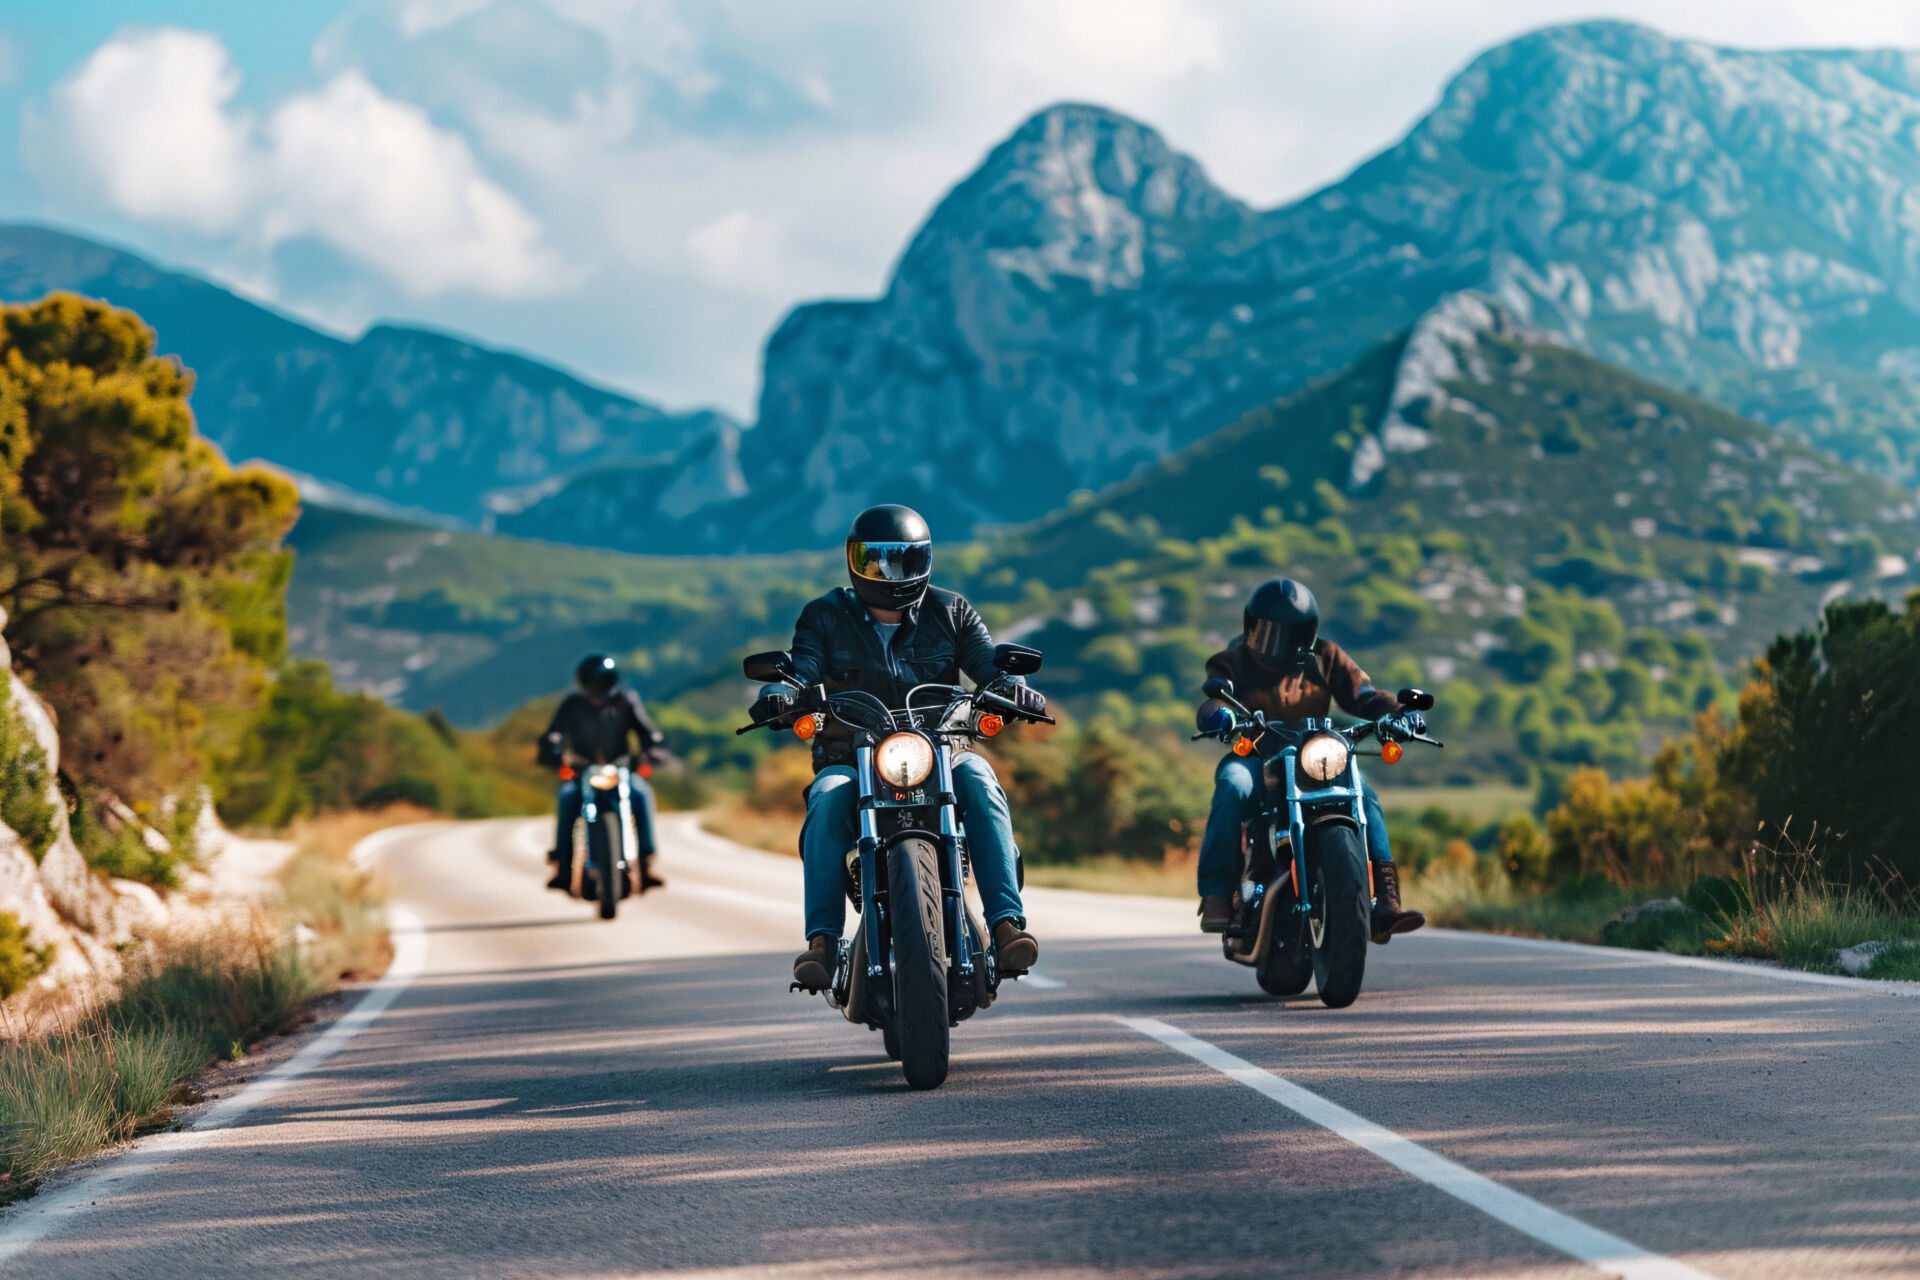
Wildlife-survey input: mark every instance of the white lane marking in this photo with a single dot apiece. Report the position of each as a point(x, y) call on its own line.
point(43, 1215)
point(1040, 981)
point(1550, 1227)
point(1732, 968)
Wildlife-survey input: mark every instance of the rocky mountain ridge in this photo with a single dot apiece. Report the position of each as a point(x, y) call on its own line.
point(1738, 223)
point(402, 417)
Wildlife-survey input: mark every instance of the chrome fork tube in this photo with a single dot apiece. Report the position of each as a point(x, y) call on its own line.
point(953, 892)
point(869, 862)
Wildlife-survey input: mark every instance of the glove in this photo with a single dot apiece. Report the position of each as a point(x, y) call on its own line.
point(1028, 699)
point(1218, 720)
point(548, 755)
point(771, 705)
point(1413, 722)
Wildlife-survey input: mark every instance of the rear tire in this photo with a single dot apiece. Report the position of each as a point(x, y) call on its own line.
point(603, 845)
point(1337, 870)
point(919, 962)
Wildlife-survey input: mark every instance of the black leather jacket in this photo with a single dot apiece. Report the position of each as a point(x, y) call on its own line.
point(599, 733)
point(834, 643)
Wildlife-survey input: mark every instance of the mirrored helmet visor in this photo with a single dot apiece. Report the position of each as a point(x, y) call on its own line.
point(890, 561)
point(1277, 639)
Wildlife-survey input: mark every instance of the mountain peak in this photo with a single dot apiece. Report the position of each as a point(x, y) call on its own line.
point(1076, 192)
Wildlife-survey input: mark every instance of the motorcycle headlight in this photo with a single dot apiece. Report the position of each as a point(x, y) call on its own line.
point(904, 759)
point(1323, 758)
point(603, 777)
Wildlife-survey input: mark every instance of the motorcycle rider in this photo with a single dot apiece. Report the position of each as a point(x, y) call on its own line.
point(1282, 667)
point(595, 724)
point(885, 632)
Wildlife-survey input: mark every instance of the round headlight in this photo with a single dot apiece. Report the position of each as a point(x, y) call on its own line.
point(904, 760)
point(603, 777)
point(1323, 757)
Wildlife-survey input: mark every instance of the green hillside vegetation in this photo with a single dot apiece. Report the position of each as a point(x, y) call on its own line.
point(476, 625)
point(1578, 562)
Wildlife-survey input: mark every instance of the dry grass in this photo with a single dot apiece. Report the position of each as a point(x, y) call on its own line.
point(114, 1069)
point(1174, 878)
point(105, 1072)
point(768, 814)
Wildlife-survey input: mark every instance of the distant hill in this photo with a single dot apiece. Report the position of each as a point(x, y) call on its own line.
point(404, 416)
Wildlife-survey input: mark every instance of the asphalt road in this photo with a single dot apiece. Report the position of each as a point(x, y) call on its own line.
point(555, 1096)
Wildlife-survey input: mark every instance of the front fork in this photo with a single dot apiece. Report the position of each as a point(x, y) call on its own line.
point(1297, 825)
point(953, 891)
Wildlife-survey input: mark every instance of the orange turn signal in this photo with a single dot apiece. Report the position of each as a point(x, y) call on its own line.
point(1243, 746)
point(806, 726)
point(566, 773)
point(646, 769)
point(1391, 751)
point(991, 725)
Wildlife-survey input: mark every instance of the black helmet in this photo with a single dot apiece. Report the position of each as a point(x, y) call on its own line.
point(1281, 621)
point(597, 674)
point(889, 557)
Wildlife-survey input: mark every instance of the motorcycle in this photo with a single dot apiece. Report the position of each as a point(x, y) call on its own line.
point(607, 864)
point(920, 962)
point(1307, 890)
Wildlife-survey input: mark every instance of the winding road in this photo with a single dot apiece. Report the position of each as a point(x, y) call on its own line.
point(554, 1096)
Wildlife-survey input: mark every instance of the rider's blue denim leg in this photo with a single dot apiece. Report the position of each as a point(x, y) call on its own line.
point(643, 807)
point(1377, 850)
point(990, 846)
point(1235, 785)
point(832, 827)
point(567, 803)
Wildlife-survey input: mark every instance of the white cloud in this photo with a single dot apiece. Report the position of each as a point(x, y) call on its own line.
point(375, 179)
point(145, 127)
point(701, 165)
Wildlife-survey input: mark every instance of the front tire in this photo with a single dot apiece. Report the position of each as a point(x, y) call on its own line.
point(602, 844)
point(1337, 873)
point(919, 962)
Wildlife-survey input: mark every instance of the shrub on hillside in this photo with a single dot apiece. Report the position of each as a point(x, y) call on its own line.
point(1823, 738)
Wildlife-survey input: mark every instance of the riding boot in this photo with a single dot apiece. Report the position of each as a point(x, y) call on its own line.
point(648, 880)
point(1388, 918)
point(1014, 949)
point(813, 968)
point(1216, 913)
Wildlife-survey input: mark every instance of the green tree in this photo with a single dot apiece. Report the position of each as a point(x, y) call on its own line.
point(142, 576)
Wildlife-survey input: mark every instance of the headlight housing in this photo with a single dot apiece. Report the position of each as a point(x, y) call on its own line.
point(1324, 757)
point(603, 777)
point(903, 759)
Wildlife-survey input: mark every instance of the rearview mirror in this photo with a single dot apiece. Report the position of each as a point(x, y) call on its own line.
point(1016, 659)
point(774, 667)
point(1219, 688)
point(1415, 699)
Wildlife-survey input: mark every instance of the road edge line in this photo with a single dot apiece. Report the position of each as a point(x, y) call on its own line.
point(1559, 1231)
point(44, 1215)
point(1735, 968)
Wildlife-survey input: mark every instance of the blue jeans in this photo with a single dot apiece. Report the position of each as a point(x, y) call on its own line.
point(833, 827)
point(569, 803)
point(1236, 799)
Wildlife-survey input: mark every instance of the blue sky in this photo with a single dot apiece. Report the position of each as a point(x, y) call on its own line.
point(639, 189)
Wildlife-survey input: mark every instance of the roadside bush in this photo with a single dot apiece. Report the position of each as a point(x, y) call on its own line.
point(1823, 738)
point(20, 960)
point(23, 782)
